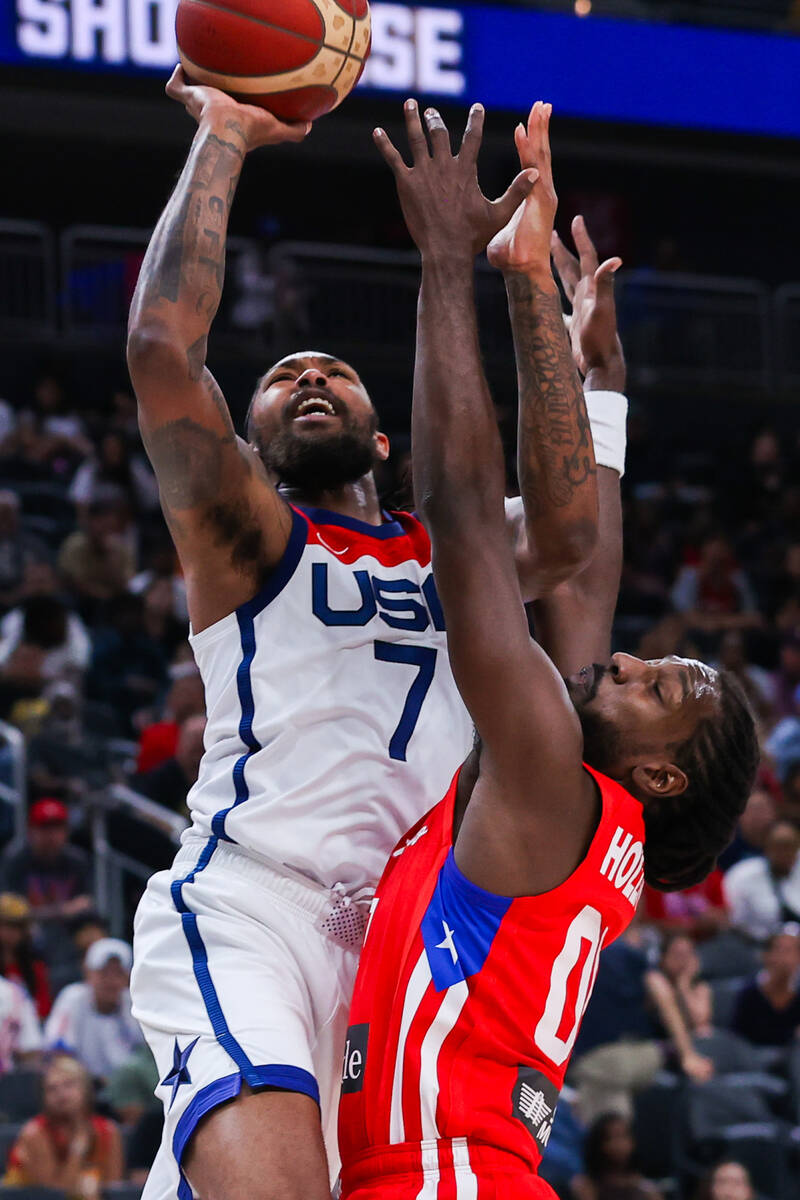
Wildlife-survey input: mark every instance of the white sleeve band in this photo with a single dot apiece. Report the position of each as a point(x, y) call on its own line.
point(608, 414)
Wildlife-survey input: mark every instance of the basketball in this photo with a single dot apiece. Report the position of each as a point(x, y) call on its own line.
point(296, 58)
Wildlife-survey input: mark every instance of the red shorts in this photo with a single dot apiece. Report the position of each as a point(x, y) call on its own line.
point(449, 1169)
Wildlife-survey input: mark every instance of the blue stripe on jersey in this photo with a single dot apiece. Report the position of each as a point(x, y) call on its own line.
point(459, 926)
point(245, 616)
point(323, 516)
point(290, 1079)
point(244, 686)
point(200, 966)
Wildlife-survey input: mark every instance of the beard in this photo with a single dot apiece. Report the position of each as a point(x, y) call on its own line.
point(320, 462)
point(602, 741)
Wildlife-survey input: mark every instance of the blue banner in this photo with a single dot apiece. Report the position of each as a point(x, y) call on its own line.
point(601, 68)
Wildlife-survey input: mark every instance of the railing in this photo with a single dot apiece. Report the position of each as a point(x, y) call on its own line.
point(27, 279)
point(99, 268)
point(701, 330)
point(112, 865)
point(787, 332)
point(688, 331)
point(13, 787)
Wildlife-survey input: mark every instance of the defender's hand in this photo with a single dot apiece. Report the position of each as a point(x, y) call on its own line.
point(445, 210)
point(255, 126)
point(524, 244)
point(590, 290)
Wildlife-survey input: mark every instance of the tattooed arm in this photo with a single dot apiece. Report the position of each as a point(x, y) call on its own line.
point(532, 809)
point(227, 522)
point(573, 623)
point(554, 528)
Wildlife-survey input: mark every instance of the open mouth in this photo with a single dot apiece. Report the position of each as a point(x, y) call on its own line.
point(314, 407)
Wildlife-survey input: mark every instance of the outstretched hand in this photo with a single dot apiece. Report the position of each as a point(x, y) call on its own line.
point(524, 244)
point(589, 287)
point(445, 210)
point(254, 126)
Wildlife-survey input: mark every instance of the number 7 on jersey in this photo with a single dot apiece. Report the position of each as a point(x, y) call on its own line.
point(424, 658)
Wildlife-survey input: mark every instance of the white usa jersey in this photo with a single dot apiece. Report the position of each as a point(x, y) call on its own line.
point(333, 717)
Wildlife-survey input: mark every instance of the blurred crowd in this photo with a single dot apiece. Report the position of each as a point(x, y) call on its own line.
point(694, 1027)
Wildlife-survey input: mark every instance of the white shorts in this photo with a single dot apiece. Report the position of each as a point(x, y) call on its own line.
point(240, 973)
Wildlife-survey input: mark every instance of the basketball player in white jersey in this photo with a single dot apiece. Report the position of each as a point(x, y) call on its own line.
point(332, 714)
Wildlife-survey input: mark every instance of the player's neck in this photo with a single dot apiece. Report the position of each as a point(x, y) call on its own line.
point(358, 499)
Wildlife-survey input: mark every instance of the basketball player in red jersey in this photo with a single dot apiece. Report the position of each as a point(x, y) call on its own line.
point(488, 922)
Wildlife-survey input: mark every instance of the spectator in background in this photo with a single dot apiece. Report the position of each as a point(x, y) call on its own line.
point(64, 759)
point(17, 549)
point(40, 641)
point(161, 562)
point(169, 783)
point(787, 676)
point(791, 792)
point(92, 1020)
point(52, 432)
point(52, 875)
point(754, 824)
point(128, 669)
point(131, 1087)
point(763, 892)
point(186, 698)
point(67, 1146)
point(714, 595)
point(608, 1154)
point(788, 614)
point(160, 622)
point(767, 1009)
point(87, 929)
point(95, 561)
point(620, 1047)
point(728, 1180)
point(115, 465)
point(757, 683)
point(20, 1031)
point(698, 911)
point(19, 961)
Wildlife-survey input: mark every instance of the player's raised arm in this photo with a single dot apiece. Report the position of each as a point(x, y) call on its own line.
point(532, 794)
point(206, 475)
point(573, 623)
point(557, 520)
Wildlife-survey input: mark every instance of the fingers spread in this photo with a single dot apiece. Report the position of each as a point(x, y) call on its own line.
point(524, 149)
point(389, 152)
point(473, 135)
point(416, 134)
point(585, 247)
point(519, 190)
point(566, 265)
point(545, 161)
point(604, 275)
point(437, 132)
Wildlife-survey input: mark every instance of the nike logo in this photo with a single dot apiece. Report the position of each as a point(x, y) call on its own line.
point(327, 547)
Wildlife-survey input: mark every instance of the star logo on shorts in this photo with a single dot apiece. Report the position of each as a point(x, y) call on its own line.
point(180, 1072)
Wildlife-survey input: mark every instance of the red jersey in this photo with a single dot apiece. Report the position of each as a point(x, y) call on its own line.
point(466, 1008)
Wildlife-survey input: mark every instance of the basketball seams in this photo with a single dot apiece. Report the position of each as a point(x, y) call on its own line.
point(234, 12)
point(339, 65)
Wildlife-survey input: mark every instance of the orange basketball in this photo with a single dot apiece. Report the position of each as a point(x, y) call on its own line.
point(296, 58)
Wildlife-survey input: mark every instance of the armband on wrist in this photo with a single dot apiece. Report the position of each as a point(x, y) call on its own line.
point(608, 413)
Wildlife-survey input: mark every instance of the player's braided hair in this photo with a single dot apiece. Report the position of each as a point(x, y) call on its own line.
point(686, 833)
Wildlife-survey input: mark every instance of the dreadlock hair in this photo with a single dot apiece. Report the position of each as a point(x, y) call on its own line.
point(686, 833)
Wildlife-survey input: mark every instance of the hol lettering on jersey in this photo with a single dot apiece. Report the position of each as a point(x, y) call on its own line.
point(399, 603)
point(623, 865)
